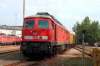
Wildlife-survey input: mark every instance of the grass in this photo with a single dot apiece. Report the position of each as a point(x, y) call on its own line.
point(71, 62)
point(77, 62)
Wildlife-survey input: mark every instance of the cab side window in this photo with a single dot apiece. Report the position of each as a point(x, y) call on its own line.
point(52, 25)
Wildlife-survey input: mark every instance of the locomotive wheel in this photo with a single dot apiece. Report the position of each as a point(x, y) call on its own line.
point(54, 51)
point(24, 55)
point(50, 53)
point(32, 56)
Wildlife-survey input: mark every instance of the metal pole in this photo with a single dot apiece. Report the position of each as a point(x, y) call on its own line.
point(2, 34)
point(23, 9)
point(83, 48)
point(15, 29)
point(76, 39)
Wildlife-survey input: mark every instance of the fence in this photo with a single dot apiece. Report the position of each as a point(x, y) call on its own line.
point(96, 56)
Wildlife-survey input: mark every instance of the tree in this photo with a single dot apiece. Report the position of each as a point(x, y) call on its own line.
point(91, 30)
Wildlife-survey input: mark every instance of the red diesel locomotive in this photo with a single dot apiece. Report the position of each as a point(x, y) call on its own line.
point(43, 34)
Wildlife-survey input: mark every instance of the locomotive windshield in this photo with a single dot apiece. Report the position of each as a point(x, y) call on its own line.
point(43, 23)
point(29, 24)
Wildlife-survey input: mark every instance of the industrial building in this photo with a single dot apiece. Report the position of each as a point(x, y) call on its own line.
point(11, 30)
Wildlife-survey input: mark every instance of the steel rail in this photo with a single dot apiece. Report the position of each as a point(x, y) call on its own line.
point(80, 49)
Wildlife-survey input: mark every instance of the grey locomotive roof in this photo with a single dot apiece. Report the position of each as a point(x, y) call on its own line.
point(45, 15)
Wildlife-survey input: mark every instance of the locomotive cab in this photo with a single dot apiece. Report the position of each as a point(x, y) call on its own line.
point(37, 36)
point(37, 29)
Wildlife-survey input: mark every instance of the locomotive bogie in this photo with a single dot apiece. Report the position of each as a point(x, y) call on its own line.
point(32, 49)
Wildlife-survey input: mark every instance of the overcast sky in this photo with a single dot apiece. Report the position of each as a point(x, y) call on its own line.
point(68, 12)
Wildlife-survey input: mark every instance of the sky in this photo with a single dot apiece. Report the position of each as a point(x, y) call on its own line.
point(68, 12)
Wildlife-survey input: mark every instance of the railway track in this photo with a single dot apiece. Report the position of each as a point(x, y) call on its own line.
point(8, 52)
point(16, 59)
point(24, 63)
point(10, 57)
point(8, 49)
point(53, 61)
point(86, 51)
point(30, 63)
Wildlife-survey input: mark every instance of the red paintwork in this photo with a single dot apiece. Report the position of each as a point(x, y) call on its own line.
point(41, 32)
point(11, 39)
point(62, 35)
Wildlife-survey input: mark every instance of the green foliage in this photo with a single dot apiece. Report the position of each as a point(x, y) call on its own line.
point(91, 29)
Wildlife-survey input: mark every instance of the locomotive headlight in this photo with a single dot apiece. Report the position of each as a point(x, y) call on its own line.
point(28, 37)
point(44, 37)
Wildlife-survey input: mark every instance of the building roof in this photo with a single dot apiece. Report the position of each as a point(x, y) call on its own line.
point(10, 27)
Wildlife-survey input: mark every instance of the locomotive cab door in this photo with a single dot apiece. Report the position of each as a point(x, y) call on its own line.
point(54, 31)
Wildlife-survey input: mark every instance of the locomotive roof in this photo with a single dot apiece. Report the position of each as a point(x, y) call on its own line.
point(46, 15)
